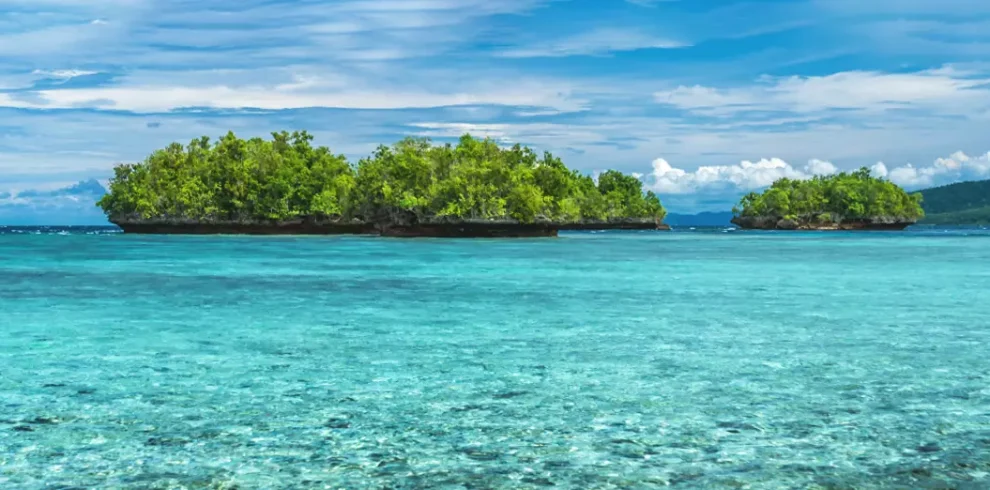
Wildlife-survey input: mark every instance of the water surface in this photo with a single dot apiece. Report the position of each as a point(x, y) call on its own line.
point(611, 360)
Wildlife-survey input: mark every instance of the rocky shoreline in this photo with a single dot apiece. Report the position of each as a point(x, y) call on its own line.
point(615, 224)
point(880, 223)
point(302, 226)
point(440, 228)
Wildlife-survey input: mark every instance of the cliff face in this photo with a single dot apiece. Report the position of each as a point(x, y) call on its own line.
point(396, 226)
point(884, 223)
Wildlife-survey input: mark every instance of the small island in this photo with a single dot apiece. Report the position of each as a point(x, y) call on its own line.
point(845, 201)
point(285, 185)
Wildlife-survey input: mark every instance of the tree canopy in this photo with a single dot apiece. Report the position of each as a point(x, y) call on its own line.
point(286, 177)
point(848, 196)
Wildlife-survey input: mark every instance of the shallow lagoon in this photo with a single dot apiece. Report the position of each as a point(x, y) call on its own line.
point(611, 360)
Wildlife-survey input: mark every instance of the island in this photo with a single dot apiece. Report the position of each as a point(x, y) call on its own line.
point(285, 185)
point(844, 201)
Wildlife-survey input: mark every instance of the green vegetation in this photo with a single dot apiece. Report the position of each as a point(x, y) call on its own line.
point(256, 179)
point(965, 203)
point(957, 197)
point(975, 216)
point(855, 196)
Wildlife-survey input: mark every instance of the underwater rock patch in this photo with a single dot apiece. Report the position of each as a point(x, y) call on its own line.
point(166, 441)
point(480, 454)
point(337, 423)
point(509, 394)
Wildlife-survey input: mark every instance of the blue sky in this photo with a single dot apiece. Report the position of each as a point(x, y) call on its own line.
point(705, 98)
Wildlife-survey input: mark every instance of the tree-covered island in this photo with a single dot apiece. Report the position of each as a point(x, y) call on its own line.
point(412, 188)
point(845, 201)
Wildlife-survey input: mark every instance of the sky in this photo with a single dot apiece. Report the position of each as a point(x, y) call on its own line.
point(704, 99)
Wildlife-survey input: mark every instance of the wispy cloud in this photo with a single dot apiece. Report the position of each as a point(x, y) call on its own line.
point(290, 94)
point(63, 74)
point(597, 42)
point(901, 7)
point(942, 90)
point(274, 31)
point(647, 3)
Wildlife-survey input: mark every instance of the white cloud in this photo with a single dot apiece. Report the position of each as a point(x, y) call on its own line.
point(144, 96)
point(729, 181)
point(154, 33)
point(746, 176)
point(544, 136)
point(24, 80)
point(954, 168)
point(63, 74)
point(942, 90)
point(820, 167)
point(879, 169)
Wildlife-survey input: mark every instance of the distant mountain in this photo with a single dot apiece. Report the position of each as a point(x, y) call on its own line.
point(965, 203)
point(68, 206)
point(700, 219)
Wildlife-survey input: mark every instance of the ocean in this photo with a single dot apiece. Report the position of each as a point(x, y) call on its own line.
point(693, 359)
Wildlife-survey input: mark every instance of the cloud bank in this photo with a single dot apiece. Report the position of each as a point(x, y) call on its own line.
point(954, 168)
point(943, 90)
point(746, 176)
point(718, 187)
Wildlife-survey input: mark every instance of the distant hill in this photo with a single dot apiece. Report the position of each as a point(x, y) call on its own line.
point(700, 219)
point(975, 216)
point(965, 203)
point(69, 206)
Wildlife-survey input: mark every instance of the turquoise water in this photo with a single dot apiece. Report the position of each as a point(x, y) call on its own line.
point(613, 360)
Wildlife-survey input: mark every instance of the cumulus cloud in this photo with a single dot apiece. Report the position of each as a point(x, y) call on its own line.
point(957, 167)
point(746, 176)
point(718, 187)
